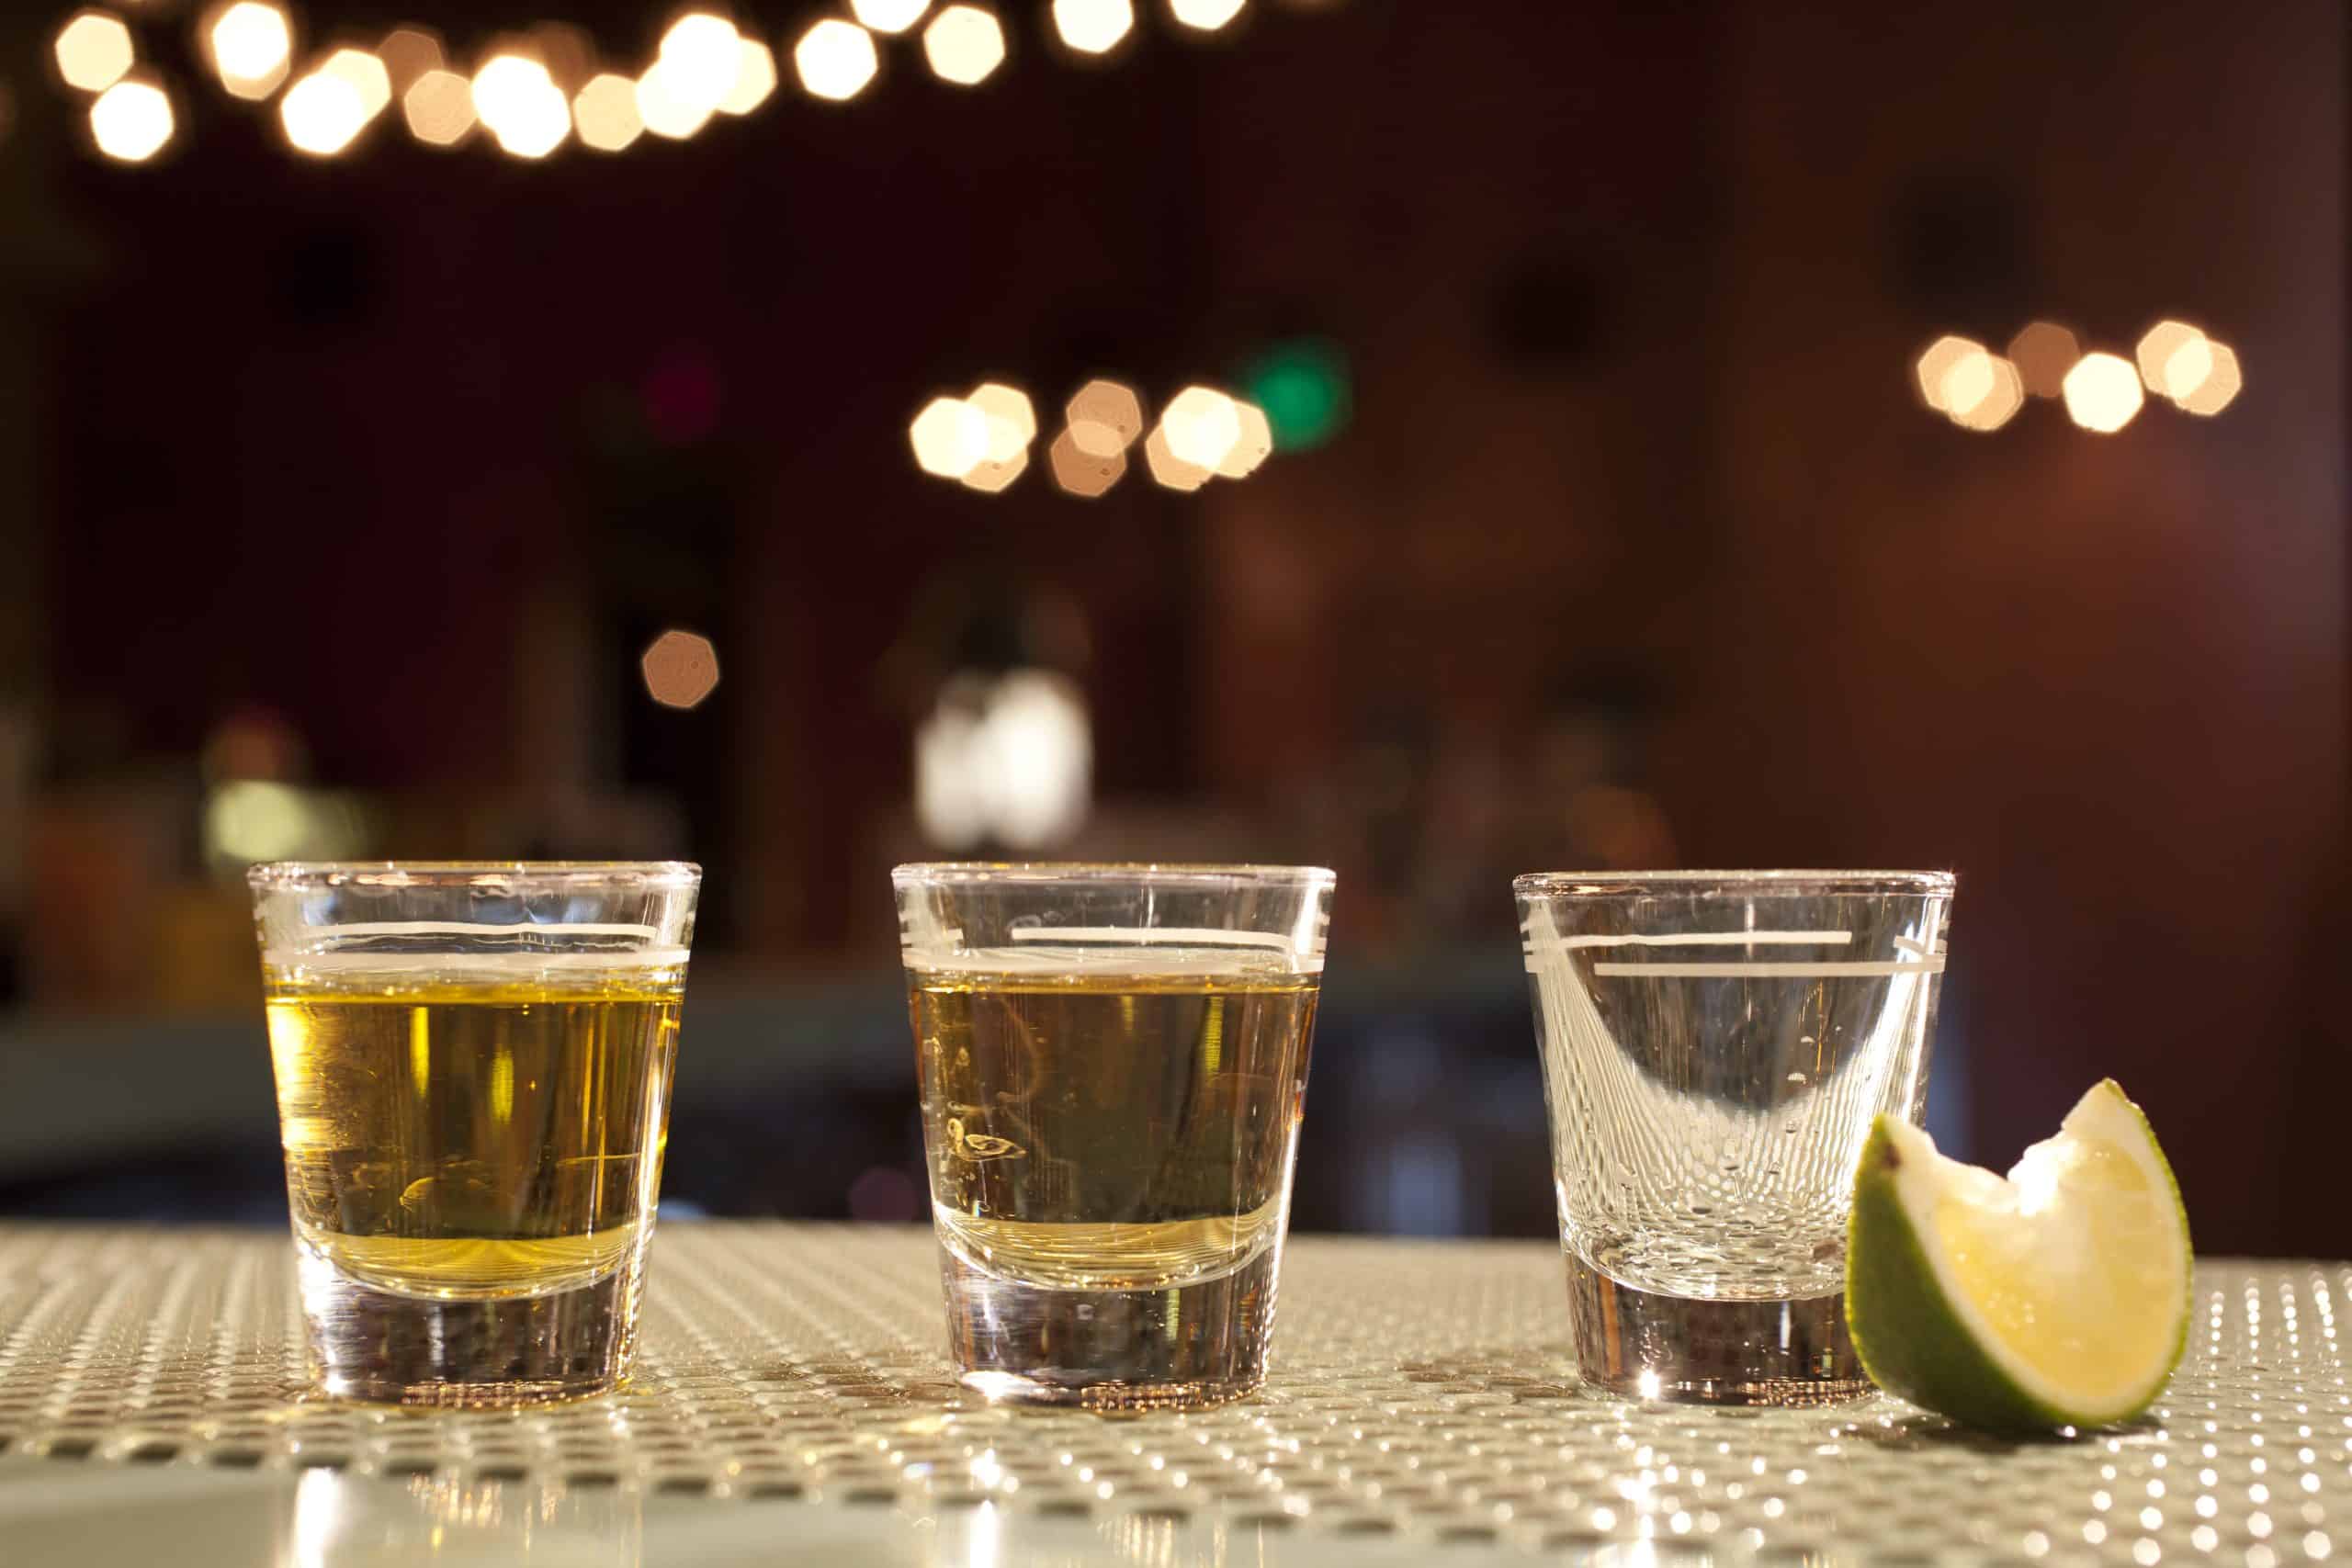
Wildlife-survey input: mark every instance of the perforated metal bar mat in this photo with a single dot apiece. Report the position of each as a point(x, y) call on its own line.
point(1421, 1393)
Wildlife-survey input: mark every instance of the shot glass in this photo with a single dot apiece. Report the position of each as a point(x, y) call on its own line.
point(473, 1070)
point(1715, 1046)
point(1113, 1062)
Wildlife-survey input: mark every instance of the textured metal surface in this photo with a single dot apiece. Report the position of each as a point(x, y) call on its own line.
point(1420, 1394)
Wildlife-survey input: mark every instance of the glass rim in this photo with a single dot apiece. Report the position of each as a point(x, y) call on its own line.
point(917, 874)
point(282, 874)
point(1702, 883)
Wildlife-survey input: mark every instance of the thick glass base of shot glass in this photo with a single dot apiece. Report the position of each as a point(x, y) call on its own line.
point(381, 1347)
point(1180, 1348)
point(1635, 1344)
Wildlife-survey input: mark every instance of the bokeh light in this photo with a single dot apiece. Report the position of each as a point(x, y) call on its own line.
point(1104, 418)
point(1203, 425)
point(131, 121)
point(1093, 27)
point(2219, 387)
point(1968, 381)
point(604, 113)
point(254, 741)
point(1006, 757)
point(408, 53)
point(2185, 367)
point(681, 668)
point(888, 15)
point(1304, 387)
point(94, 50)
point(1081, 473)
point(834, 59)
point(1168, 469)
point(322, 113)
point(253, 46)
point(439, 109)
point(1254, 445)
point(1618, 827)
point(2180, 362)
point(2043, 352)
point(1013, 423)
point(950, 437)
point(754, 78)
point(883, 1195)
point(2102, 392)
point(1996, 403)
point(522, 106)
point(963, 44)
point(991, 474)
point(2172, 358)
point(367, 75)
point(1937, 362)
point(700, 56)
point(1205, 15)
point(568, 52)
point(246, 820)
point(666, 107)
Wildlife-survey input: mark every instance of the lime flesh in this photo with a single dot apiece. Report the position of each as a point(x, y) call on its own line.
point(2055, 1297)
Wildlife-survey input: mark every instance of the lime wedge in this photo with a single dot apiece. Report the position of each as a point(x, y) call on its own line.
point(2056, 1297)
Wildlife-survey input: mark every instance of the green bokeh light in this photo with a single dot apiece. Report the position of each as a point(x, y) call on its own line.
point(1303, 386)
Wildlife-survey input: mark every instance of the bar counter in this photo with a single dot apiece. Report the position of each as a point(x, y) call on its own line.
point(792, 1403)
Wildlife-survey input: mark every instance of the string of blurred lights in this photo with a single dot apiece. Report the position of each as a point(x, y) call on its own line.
point(982, 439)
point(1978, 390)
point(533, 91)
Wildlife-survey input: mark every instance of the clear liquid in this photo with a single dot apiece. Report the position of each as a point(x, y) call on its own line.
point(1706, 1129)
point(473, 1134)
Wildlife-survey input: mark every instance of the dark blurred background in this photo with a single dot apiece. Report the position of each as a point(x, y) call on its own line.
point(343, 496)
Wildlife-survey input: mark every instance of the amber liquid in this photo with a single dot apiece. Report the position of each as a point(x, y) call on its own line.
point(1114, 1149)
point(473, 1134)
